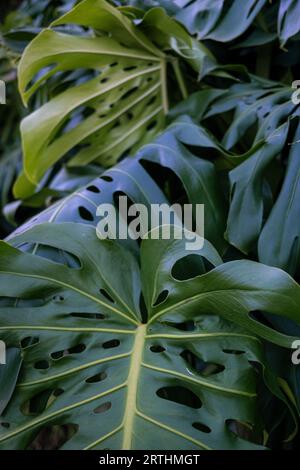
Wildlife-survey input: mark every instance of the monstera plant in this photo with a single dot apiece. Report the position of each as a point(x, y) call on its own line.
point(169, 356)
point(117, 377)
point(147, 343)
point(123, 102)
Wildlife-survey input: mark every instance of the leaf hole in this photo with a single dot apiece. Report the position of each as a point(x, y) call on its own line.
point(5, 425)
point(116, 124)
point(151, 101)
point(161, 298)
point(237, 352)
point(184, 326)
point(102, 408)
point(89, 316)
point(188, 267)
point(93, 189)
point(129, 93)
point(79, 348)
point(29, 341)
point(38, 403)
point(106, 178)
point(42, 365)
point(113, 343)
point(206, 369)
point(157, 348)
point(129, 68)
point(180, 395)
point(244, 430)
point(106, 295)
point(151, 125)
point(85, 214)
point(97, 378)
point(201, 427)
point(143, 309)
point(53, 437)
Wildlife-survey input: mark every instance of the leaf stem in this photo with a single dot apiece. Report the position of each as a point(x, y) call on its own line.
point(164, 86)
point(180, 79)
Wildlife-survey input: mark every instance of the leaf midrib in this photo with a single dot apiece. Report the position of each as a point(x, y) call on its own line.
point(132, 386)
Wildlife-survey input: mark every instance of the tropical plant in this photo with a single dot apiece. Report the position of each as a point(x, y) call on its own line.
point(182, 306)
point(123, 104)
point(87, 349)
point(145, 344)
point(259, 150)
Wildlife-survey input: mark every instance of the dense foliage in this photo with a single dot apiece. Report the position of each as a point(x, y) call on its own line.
point(142, 344)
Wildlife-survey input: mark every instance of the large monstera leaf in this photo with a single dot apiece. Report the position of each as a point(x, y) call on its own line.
point(116, 377)
point(169, 152)
point(121, 106)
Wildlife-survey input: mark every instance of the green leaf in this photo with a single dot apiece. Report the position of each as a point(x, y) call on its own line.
point(127, 88)
point(235, 20)
point(121, 107)
point(245, 218)
point(288, 20)
point(254, 123)
point(211, 19)
point(8, 376)
point(279, 240)
point(155, 384)
point(221, 21)
point(170, 151)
